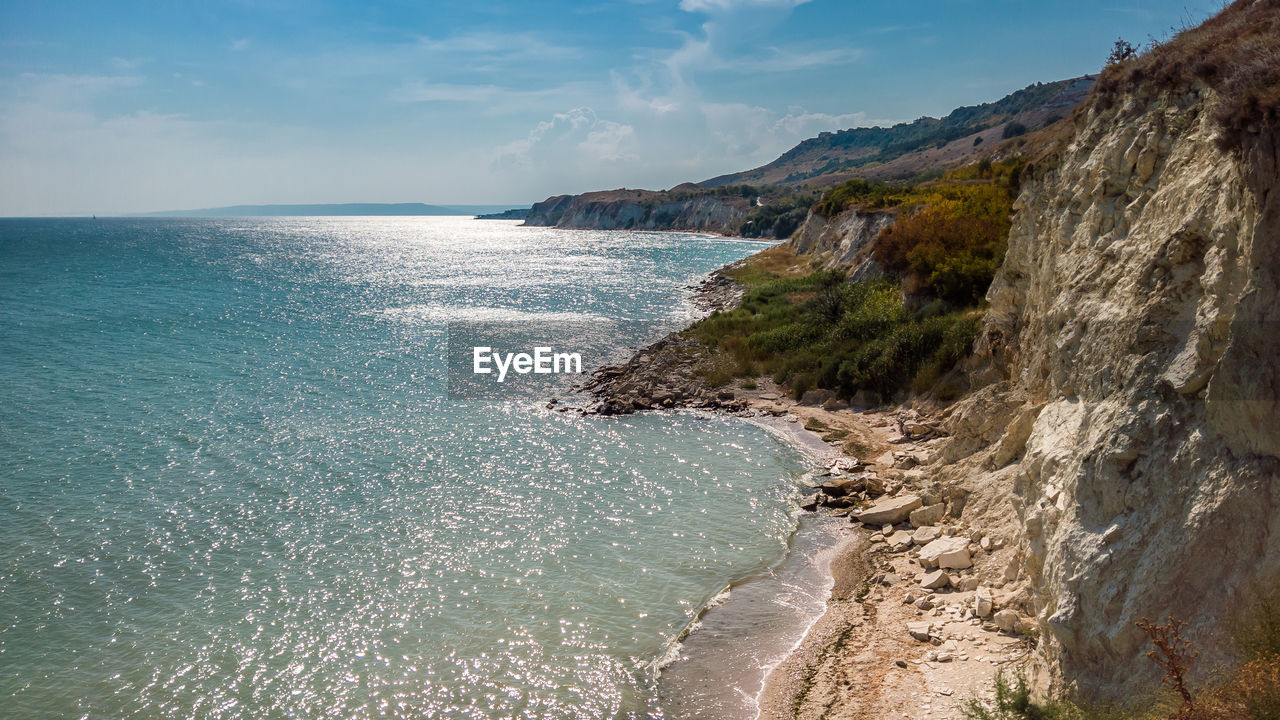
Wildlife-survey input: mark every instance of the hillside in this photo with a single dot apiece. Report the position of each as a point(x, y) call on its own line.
point(773, 201)
point(909, 149)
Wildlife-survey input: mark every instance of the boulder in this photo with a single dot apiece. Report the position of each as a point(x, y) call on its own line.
point(845, 463)
point(842, 486)
point(926, 535)
point(982, 601)
point(886, 459)
point(888, 510)
point(928, 515)
point(865, 399)
point(946, 552)
point(810, 503)
point(899, 541)
point(1006, 620)
point(844, 501)
point(817, 396)
point(935, 580)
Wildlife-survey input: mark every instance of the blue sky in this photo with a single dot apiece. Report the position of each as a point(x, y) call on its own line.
point(137, 106)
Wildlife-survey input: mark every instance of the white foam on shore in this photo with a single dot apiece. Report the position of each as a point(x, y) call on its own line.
point(825, 557)
point(807, 442)
point(808, 599)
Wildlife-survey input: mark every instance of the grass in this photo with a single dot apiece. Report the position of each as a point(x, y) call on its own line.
point(768, 265)
point(855, 448)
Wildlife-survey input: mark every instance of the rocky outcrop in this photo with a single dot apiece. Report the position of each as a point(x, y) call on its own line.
point(845, 241)
point(1127, 430)
point(640, 210)
point(665, 374)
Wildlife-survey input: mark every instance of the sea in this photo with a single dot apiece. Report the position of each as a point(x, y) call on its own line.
point(235, 483)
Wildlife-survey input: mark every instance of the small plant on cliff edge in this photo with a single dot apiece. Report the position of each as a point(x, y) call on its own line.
point(1174, 655)
point(1013, 702)
point(1121, 51)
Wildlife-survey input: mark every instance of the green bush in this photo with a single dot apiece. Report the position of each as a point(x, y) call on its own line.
point(1013, 702)
point(1013, 129)
point(820, 331)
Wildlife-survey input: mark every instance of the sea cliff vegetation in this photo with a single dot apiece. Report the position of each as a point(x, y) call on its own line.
point(903, 330)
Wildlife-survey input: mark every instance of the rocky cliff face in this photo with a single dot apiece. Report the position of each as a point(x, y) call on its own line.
point(623, 210)
point(1128, 434)
point(844, 241)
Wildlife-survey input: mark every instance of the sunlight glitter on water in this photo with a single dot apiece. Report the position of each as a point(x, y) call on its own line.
point(234, 487)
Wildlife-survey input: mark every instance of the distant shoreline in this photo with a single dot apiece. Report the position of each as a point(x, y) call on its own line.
point(331, 210)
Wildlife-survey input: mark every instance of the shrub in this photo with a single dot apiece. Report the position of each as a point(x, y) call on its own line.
point(1174, 655)
point(1253, 692)
point(953, 246)
point(1013, 702)
point(1013, 129)
point(822, 331)
point(1121, 51)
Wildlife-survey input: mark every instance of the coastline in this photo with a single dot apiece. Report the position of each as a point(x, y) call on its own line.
point(883, 643)
point(861, 657)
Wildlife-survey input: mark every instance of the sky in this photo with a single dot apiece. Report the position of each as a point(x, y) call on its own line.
point(117, 107)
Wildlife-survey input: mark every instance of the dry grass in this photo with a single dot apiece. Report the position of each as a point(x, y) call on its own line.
point(1236, 52)
point(776, 262)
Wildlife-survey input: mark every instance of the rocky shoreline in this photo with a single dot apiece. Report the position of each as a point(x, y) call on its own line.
point(917, 623)
point(664, 374)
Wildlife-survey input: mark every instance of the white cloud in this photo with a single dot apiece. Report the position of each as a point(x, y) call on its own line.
point(240, 44)
point(609, 142)
point(497, 46)
point(444, 92)
point(676, 117)
point(711, 6)
point(576, 137)
point(120, 64)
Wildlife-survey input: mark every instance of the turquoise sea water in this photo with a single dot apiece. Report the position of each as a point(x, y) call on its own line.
point(232, 484)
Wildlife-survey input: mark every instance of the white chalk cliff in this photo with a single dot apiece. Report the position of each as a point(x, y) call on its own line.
point(1126, 431)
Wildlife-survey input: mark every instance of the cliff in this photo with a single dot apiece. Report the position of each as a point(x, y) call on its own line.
point(1127, 427)
point(845, 241)
point(643, 210)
